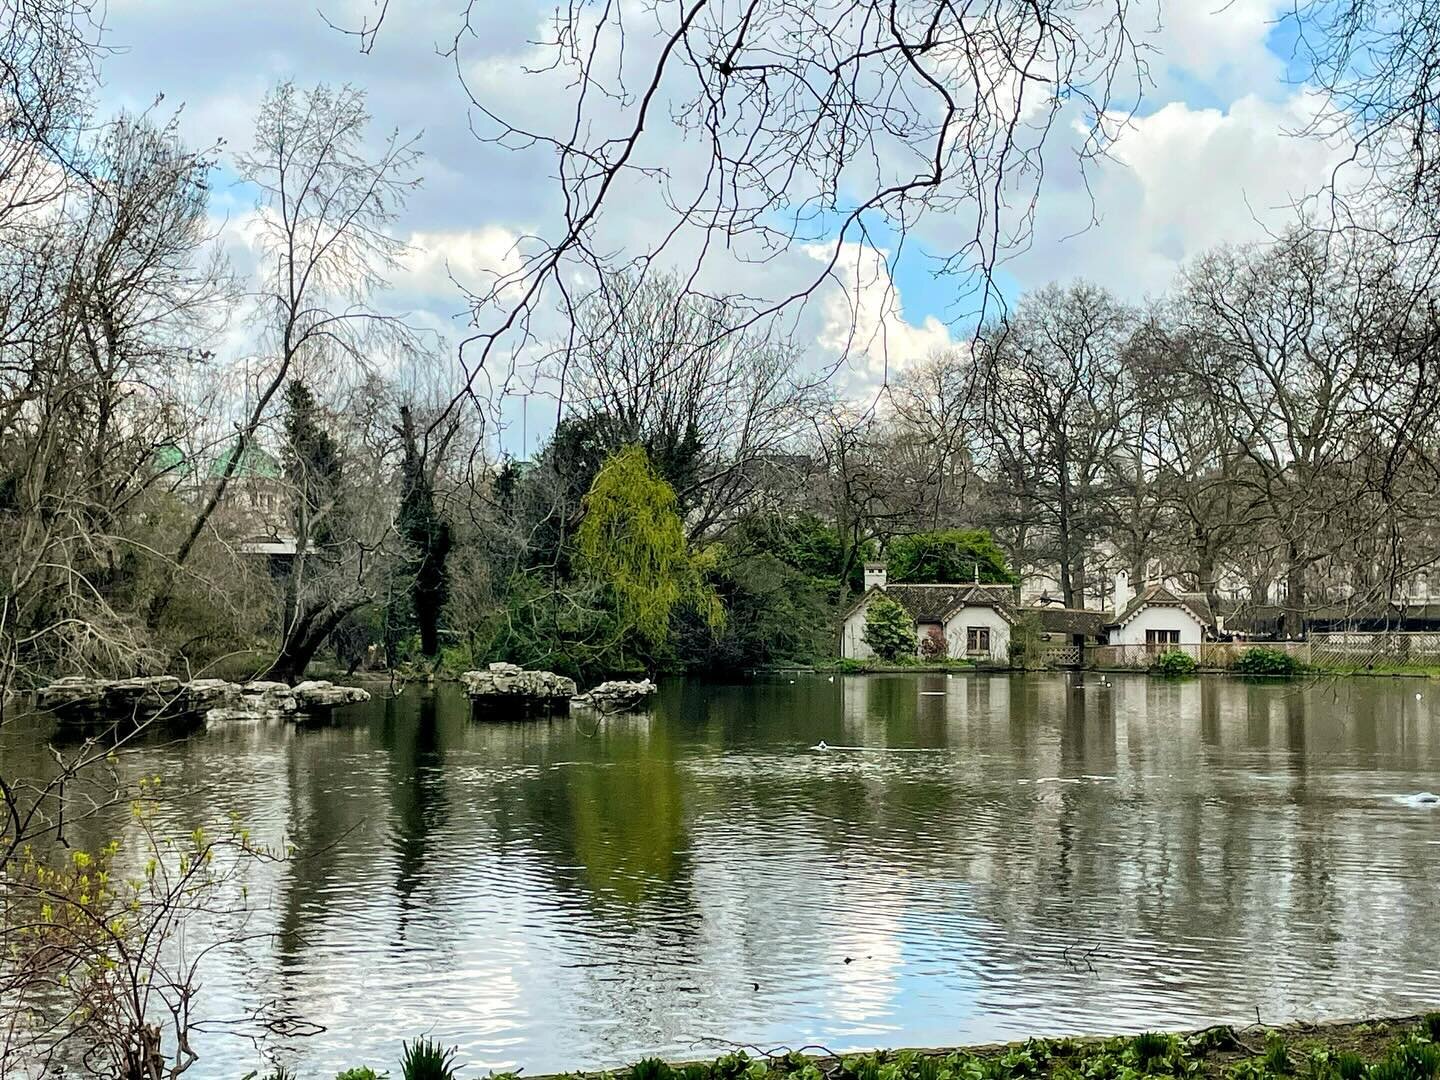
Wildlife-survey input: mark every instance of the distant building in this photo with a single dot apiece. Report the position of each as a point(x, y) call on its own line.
point(971, 620)
point(1159, 617)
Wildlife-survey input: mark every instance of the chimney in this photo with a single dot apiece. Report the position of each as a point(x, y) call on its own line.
point(1122, 592)
point(874, 575)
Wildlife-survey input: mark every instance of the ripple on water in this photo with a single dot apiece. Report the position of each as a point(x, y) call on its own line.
point(1032, 861)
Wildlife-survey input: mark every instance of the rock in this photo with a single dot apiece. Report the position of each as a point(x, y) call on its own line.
point(317, 694)
point(507, 685)
point(144, 695)
point(617, 695)
point(78, 697)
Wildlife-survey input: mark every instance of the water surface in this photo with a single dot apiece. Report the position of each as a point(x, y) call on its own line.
point(1000, 856)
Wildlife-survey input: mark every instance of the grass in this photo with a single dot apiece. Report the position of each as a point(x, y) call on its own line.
point(1407, 1049)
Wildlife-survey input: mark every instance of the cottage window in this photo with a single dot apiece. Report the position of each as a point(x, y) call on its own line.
point(977, 639)
point(1158, 639)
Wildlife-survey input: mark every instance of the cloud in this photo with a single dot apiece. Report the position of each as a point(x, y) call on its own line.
point(862, 318)
point(1181, 180)
point(1221, 44)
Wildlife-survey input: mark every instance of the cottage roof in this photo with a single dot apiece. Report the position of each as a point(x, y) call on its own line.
point(934, 603)
point(1000, 598)
point(1158, 596)
point(1063, 620)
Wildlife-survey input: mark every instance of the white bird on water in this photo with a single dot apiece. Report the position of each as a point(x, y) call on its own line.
point(820, 746)
point(831, 679)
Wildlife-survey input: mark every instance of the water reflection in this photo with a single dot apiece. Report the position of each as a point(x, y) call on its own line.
point(990, 856)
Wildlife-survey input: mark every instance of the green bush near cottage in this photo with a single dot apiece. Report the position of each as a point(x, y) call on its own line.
point(1261, 660)
point(1173, 663)
point(889, 630)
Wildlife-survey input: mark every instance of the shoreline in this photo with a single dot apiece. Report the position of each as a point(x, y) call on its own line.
point(1316, 1050)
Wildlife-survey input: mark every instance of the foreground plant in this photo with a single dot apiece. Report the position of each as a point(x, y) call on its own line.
point(426, 1060)
point(103, 949)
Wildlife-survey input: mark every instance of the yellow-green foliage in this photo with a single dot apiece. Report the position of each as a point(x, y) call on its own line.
point(633, 540)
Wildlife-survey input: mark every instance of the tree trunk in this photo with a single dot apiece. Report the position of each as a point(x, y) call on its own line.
point(1295, 593)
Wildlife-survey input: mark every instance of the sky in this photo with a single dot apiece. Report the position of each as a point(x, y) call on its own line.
point(1210, 157)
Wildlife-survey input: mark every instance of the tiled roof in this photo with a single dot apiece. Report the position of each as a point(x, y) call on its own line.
point(1061, 620)
point(1159, 596)
point(931, 603)
point(927, 603)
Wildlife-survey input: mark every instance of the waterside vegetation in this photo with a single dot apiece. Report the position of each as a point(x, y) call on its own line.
point(1392, 1049)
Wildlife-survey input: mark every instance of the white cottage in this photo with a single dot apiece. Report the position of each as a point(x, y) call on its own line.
point(972, 620)
point(1159, 617)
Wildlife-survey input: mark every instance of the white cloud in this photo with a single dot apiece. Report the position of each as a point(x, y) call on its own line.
point(1220, 42)
point(863, 318)
point(472, 257)
point(1181, 180)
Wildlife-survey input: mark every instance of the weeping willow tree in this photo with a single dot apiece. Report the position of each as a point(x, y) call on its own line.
point(632, 539)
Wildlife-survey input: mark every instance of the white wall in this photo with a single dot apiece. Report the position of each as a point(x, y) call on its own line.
point(852, 635)
point(1154, 617)
point(966, 617)
point(852, 640)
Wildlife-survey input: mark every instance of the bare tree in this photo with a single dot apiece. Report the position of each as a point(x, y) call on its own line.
point(1059, 398)
point(654, 365)
point(802, 131)
point(326, 206)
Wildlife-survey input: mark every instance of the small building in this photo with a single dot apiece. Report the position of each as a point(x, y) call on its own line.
point(1159, 617)
point(977, 626)
point(970, 620)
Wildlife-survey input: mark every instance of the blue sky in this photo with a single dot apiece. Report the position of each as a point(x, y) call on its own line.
point(1207, 159)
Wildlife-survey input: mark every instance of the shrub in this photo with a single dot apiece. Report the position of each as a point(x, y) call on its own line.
point(889, 630)
point(1260, 660)
point(362, 1073)
point(426, 1060)
point(1173, 662)
point(933, 646)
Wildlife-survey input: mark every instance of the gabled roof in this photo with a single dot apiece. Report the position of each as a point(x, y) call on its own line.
point(1000, 598)
point(934, 603)
point(1193, 604)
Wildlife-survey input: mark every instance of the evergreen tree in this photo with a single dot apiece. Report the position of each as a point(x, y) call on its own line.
point(428, 535)
point(889, 630)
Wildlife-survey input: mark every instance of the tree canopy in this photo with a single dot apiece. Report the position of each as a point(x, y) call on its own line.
point(948, 556)
point(632, 539)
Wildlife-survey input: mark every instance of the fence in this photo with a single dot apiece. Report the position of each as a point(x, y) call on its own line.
point(1060, 656)
point(1347, 650)
point(1350, 649)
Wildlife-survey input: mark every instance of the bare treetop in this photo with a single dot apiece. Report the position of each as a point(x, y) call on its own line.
point(755, 130)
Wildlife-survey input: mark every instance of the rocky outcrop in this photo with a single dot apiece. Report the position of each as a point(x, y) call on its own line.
point(512, 687)
point(79, 698)
point(617, 696)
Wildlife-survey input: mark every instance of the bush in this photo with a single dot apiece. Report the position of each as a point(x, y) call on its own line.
point(934, 647)
point(1173, 662)
point(426, 1060)
point(362, 1073)
point(889, 630)
point(1260, 660)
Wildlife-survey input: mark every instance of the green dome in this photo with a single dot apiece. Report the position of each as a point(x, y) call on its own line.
point(255, 463)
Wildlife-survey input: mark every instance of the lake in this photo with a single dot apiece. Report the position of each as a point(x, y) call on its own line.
point(977, 857)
